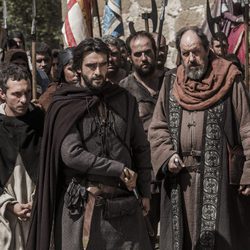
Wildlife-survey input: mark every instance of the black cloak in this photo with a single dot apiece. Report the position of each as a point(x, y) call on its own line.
point(69, 105)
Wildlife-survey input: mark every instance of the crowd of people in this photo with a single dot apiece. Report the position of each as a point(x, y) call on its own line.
point(120, 152)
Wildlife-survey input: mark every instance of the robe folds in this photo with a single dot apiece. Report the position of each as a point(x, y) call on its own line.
point(201, 207)
point(20, 139)
point(81, 152)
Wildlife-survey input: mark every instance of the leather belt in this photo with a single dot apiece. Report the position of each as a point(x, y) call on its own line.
point(193, 168)
point(192, 153)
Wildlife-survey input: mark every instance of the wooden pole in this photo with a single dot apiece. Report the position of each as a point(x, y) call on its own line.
point(246, 14)
point(96, 13)
point(33, 50)
point(33, 59)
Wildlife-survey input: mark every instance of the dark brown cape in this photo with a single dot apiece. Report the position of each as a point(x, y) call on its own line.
point(68, 106)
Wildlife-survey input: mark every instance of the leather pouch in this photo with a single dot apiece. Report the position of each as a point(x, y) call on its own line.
point(120, 206)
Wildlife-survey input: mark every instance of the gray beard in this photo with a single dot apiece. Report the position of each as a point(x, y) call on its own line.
point(196, 73)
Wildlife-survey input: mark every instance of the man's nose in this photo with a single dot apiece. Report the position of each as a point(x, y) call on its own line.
point(43, 63)
point(191, 57)
point(144, 57)
point(97, 70)
point(23, 99)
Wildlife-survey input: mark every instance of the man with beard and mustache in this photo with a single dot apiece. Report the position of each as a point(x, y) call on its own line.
point(144, 85)
point(200, 148)
point(142, 82)
point(115, 72)
point(95, 156)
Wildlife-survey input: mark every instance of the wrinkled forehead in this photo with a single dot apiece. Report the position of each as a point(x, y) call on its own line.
point(190, 39)
point(140, 43)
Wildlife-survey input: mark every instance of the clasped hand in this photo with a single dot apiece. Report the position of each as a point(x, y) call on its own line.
point(22, 211)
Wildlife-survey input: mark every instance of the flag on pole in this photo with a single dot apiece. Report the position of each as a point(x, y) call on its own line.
point(78, 22)
point(112, 20)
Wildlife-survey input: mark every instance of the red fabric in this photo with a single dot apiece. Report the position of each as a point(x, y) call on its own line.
point(233, 39)
point(70, 4)
point(69, 34)
point(200, 95)
point(78, 22)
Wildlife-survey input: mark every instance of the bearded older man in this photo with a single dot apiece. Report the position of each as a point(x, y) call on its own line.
point(202, 116)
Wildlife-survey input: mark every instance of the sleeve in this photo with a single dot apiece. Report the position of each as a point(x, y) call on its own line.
point(5, 230)
point(5, 199)
point(241, 106)
point(159, 135)
point(229, 16)
point(141, 154)
point(76, 157)
point(227, 11)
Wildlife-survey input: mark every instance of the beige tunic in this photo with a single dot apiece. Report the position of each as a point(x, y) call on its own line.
point(19, 188)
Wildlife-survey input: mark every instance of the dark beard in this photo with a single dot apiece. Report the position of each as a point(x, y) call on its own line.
point(90, 86)
point(142, 72)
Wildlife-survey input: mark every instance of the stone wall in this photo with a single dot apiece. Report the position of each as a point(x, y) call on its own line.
point(178, 13)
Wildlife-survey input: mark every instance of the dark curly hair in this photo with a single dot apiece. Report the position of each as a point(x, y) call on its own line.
point(13, 72)
point(88, 45)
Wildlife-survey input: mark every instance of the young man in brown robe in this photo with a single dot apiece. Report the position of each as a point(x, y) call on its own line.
point(95, 158)
point(202, 112)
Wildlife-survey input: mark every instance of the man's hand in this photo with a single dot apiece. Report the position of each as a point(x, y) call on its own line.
point(146, 206)
point(36, 103)
point(239, 19)
point(244, 190)
point(175, 164)
point(129, 177)
point(22, 211)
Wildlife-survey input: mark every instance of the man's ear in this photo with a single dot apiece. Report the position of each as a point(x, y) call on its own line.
point(2, 94)
point(78, 71)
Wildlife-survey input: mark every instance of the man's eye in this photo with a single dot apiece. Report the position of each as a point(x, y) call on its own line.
point(95, 65)
point(138, 54)
point(17, 95)
point(91, 66)
point(103, 64)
